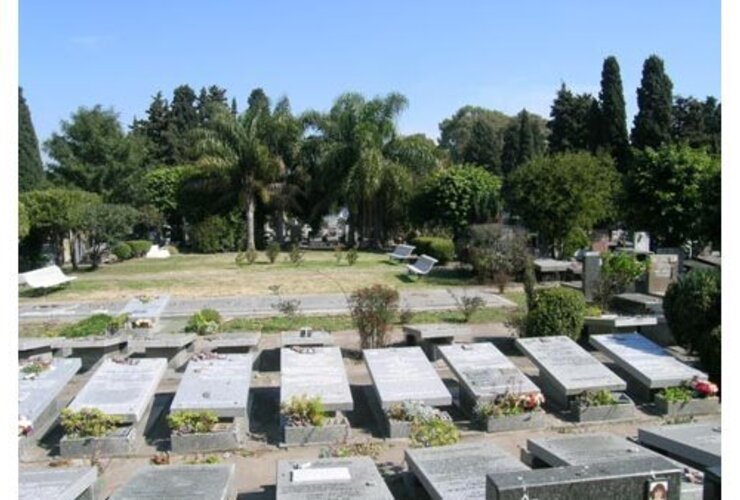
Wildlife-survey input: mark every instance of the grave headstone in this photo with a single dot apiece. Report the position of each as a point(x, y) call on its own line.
point(315, 371)
point(177, 482)
point(591, 274)
point(662, 271)
point(566, 368)
point(330, 479)
point(429, 337)
point(59, 484)
point(124, 389)
point(697, 444)
point(641, 241)
point(37, 394)
point(404, 374)
point(459, 471)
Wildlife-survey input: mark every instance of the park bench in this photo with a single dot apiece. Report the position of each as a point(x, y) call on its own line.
point(422, 266)
point(46, 277)
point(402, 252)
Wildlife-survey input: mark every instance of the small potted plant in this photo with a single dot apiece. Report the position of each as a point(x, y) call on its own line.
point(694, 397)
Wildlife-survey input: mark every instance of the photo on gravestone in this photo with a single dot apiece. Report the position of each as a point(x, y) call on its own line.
point(657, 490)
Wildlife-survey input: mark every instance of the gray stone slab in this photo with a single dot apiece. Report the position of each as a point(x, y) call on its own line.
point(316, 338)
point(231, 340)
point(591, 274)
point(142, 342)
point(151, 310)
point(618, 321)
point(122, 389)
point(436, 331)
point(177, 482)
point(484, 371)
point(568, 367)
point(585, 449)
point(36, 393)
point(638, 303)
point(699, 444)
point(316, 371)
point(33, 344)
point(605, 481)
point(92, 342)
point(404, 374)
point(56, 484)
point(551, 265)
point(459, 471)
point(219, 385)
point(645, 360)
point(330, 479)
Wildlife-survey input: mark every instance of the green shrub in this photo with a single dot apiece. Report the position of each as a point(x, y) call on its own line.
point(302, 410)
point(216, 234)
point(693, 308)
point(373, 309)
point(88, 422)
point(192, 422)
point(296, 255)
point(618, 271)
point(496, 253)
point(603, 397)
point(434, 432)
point(556, 311)
point(204, 322)
point(97, 324)
point(249, 257)
point(680, 394)
point(442, 249)
point(122, 251)
point(140, 247)
point(352, 256)
point(272, 251)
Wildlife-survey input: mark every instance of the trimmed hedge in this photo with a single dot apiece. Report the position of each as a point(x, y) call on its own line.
point(122, 251)
point(556, 311)
point(140, 247)
point(442, 249)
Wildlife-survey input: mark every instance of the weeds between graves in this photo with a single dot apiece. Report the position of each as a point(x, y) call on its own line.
point(603, 397)
point(304, 411)
point(204, 322)
point(88, 422)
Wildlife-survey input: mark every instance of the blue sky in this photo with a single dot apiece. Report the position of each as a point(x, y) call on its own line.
point(442, 55)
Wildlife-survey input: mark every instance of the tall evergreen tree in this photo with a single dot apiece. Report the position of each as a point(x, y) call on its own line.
point(234, 110)
point(613, 117)
point(524, 140)
point(156, 130)
point(697, 123)
point(30, 168)
point(571, 119)
point(652, 126)
point(183, 118)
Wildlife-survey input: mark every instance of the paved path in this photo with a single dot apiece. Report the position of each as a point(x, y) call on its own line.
point(416, 300)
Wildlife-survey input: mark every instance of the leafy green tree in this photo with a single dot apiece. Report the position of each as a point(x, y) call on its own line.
point(456, 197)
point(24, 222)
point(696, 123)
point(156, 130)
point(182, 120)
point(103, 224)
point(571, 122)
point(417, 152)
point(92, 153)
point(663, 192)
point(652, 127)
point(161, 187)
point(475, 135)
point(559, 194)
point(30, 168)
point(524, 140)
point(612, 128)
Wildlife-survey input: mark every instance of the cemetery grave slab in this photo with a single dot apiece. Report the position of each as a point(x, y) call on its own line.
point(230, 343)
point(638, 303)
point(306, 338)
point(146, 310)
point(330, 479)
point(429, 337)
point(91, 350)
point(177, 482)
point(610, 323)
point(696, 444)
point(74, 483)
point(34, 347)
point(174, 347)
point(458, 471)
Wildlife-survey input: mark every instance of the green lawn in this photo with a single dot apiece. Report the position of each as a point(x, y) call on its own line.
point(191, 275)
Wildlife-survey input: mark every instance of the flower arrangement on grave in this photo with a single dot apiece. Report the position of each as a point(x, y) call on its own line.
point(412, 411)
point(692, 389)
point(34, 368)
point(25, 426)
point(192, 422)
point(703, 388)
point(304, 411)
point(88, 422)
point(508, 404)
point(603, 397)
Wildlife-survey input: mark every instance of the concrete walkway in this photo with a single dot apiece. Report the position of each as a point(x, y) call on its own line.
point(433, 299)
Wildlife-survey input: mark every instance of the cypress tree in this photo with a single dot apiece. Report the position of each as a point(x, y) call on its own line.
point(30, 168)
point(613, 117)
point(234, 110)
point(571, 120)
point(652, 126)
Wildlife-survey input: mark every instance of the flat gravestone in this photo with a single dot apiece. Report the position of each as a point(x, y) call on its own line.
point(56, 484)
point(638, 303)
point(122, 389)
point(143, 342)
point(316, 338)
point(568, 367)
point(551, 265)
point(459, 471)
point(484, 371)
point(220, 385)
point(646, 361)
point(32, 346)
point(691, 443)
point(616, 321)
point(36, 393)
point(585, 449)
point(436, 331)
point(151, 309)
point(231, 341)
point(91, 342)
point(312, 372)
point(177, 482)
point(404, 374)
point(330, 479)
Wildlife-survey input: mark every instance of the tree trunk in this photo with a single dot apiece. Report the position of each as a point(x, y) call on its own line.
point(280, 226)
point(74, 247)
point(250, 221)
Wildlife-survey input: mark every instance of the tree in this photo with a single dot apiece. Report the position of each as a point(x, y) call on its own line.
point(156, 130)
point(458, 196)
point(475, 135)
point(161, 187)
point(524, 140)
point(664, 193)
point(30, 168)
point(183, 119)
point(417, 152)
point(92, 153)
point(696, 123)
point(571, 120)
point(559, 194)
point(103, 224)
point(612, 128)
point(652, 127)
point(24, 222)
